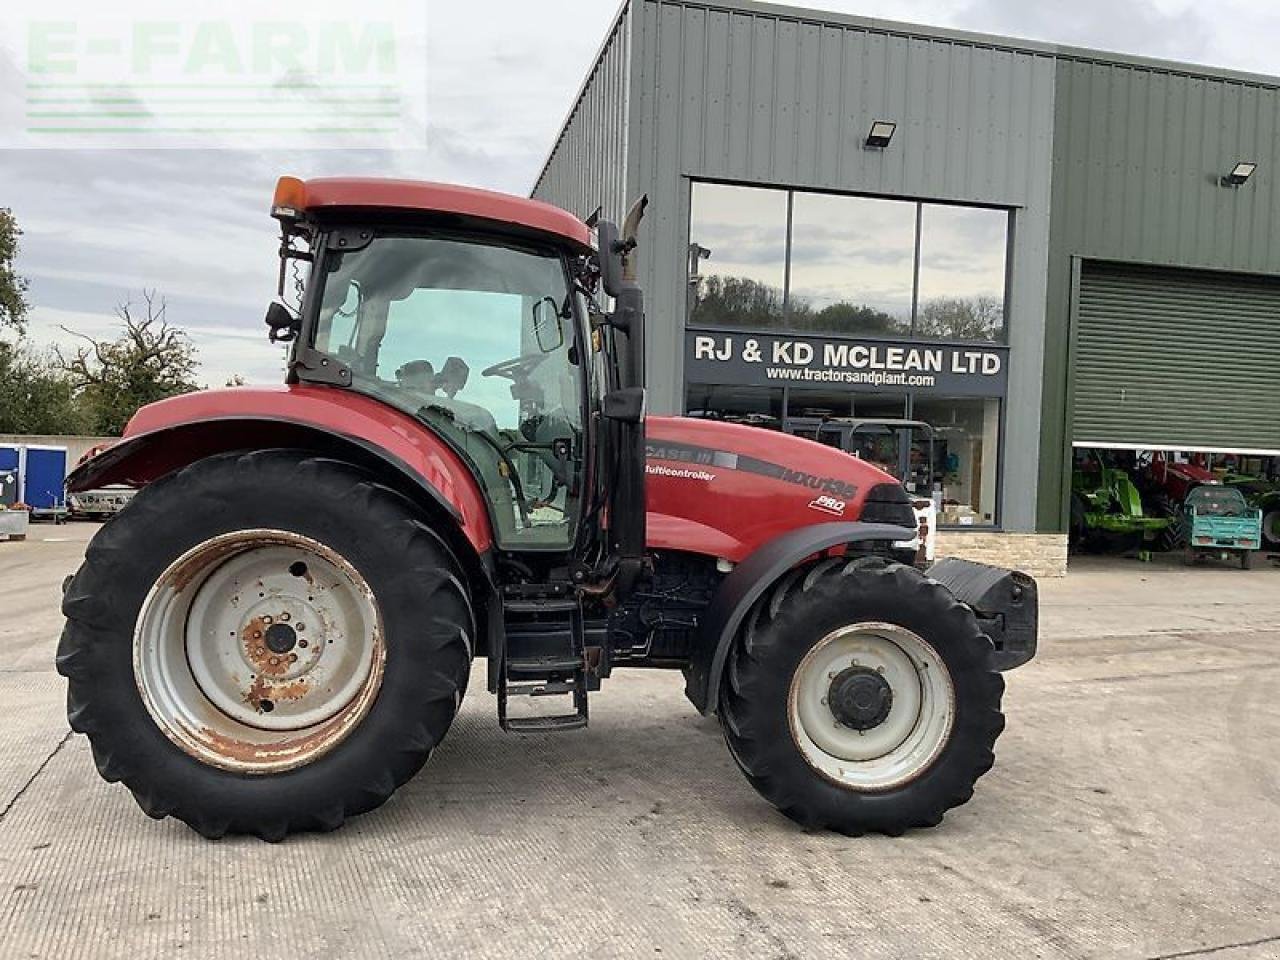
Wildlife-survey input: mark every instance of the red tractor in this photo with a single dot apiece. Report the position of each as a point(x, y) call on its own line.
point(279, 628)
point(1166, 481)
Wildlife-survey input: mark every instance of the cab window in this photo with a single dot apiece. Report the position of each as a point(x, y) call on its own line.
point(476, 340)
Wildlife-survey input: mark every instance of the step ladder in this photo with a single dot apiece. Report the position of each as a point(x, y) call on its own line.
point(544, 656)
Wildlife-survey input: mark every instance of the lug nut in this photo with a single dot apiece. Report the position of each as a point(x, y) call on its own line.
point(302, 643)
point(257, 634)
point(285, 617)
point(266, 619)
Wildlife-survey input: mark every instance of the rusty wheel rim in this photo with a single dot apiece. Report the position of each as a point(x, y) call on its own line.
point(259, 651)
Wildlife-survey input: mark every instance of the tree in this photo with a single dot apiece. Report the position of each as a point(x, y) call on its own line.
point(36, 396)
point(720, 300)
point(961, 318)
point(13, 302)
point(149, 361)
point(849, 318)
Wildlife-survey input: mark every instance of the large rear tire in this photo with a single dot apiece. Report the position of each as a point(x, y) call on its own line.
point(1271, 529)
point(265, 643)
point(1174, 536)
point(861, 697)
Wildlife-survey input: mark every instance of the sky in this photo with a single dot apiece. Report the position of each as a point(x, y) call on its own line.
point(101, 225)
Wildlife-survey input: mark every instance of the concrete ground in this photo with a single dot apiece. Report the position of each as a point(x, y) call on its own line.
point(1134, 811)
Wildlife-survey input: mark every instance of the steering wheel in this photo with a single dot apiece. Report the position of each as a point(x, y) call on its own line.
point(515, 369)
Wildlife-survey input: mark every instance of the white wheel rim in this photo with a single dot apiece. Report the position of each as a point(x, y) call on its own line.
point(893, 750)
point(259, 651)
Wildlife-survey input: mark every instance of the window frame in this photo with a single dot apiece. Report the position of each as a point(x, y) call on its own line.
point(918, 203)
point(313, 302)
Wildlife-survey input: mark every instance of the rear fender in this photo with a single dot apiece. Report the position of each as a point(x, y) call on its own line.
point(750, 580)
point(144, 457)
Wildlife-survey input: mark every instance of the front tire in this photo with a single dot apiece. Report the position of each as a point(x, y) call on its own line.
point(265, 643)
point(861, 697)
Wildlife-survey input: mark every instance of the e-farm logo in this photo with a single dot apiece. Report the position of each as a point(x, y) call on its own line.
point(224, 74)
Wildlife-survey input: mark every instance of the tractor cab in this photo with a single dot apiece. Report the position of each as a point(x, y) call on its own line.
point(483, 325)
point(482, 342)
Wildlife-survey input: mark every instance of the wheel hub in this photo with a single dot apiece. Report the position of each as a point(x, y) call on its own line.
point(860, 698)
point(259, 650)
point(281, 638)
point(870, 706)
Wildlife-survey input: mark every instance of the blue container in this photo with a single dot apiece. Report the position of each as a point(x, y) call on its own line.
point(44, 476)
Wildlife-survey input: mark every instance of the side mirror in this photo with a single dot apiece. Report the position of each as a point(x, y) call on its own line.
point(282, 325)
point(547, 328)
point(610, 255)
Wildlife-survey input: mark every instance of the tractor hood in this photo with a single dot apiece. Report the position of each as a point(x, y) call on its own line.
point(724, 490)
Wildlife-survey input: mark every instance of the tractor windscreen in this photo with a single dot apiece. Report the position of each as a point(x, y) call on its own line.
point(476, 339)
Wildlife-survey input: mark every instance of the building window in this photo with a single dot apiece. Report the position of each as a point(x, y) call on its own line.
point(738, 256)
point(822, 271)
point(768, 258)
point(962, 273)
point(851, 260)
point(842, 403)
point(966, 451)
point(751, 405)
point(953, 458)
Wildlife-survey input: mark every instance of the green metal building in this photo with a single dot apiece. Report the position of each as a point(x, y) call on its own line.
point(1028, 246)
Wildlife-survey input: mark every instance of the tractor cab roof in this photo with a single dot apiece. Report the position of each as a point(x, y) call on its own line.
point(336, 194)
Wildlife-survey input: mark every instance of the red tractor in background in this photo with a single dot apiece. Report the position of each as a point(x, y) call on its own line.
point(280, 626)
point(1165, 482)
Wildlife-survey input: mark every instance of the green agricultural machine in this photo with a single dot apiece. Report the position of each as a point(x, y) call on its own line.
point(1106, 510)
point(1263, 495)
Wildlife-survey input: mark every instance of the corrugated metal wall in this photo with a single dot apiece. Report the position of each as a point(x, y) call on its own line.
point(1138, 153)
point(587, 166)
point(751, 93)
point(1125, 153)
point(1155, 347)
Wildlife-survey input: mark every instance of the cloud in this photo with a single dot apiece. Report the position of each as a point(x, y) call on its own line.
point(1236, 34)
point(193, 224)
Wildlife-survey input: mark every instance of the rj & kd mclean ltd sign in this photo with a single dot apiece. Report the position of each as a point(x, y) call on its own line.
point(771, 360)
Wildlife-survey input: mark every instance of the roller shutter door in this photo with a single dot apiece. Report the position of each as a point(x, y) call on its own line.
point(1176, 359)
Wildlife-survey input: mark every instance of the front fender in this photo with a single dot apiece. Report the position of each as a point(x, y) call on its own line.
point(749, 581)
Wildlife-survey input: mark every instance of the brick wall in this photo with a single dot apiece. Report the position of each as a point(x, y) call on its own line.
point(1039, 554)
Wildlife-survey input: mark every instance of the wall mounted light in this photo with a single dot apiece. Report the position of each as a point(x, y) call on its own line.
point(881, 133)
point(1241, 172)
point(697, 252)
